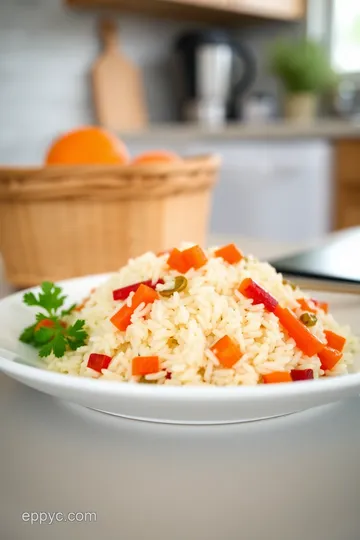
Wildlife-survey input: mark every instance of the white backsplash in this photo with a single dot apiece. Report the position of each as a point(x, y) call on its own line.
point(46, 51)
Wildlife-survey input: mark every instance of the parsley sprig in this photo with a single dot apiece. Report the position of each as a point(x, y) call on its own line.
point(49, 333)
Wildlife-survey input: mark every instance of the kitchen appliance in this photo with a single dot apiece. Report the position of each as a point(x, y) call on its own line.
point(213, 72)
point(117, 86)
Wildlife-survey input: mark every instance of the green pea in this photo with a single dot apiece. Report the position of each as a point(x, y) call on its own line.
point(179, 285)
point(309, 319)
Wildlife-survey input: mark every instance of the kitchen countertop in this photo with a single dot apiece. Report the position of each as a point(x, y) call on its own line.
point(277, 130)
point(293, 477)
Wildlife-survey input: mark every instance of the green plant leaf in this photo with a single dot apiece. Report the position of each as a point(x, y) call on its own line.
point(44, 335)
point(302, 66)
point(59, 345)
point(50, 298)
point(58, 337)
point(46, 350)
point(76, 335)
point(27, 335)
point(30, 299)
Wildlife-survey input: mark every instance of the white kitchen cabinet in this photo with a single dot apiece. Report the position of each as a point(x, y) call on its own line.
point(279, 190)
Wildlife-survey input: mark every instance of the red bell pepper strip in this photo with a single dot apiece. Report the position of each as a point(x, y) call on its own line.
point(304, 339)
point(302, 374)
point(253, 290)
point(123, 292)
point(97, 362)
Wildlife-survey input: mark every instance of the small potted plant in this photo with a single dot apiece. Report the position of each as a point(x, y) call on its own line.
point(305, 72)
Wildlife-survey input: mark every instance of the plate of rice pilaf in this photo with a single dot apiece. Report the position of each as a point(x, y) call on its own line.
point(184, 336)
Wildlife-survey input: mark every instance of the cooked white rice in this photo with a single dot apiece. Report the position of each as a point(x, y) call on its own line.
point(181, 329)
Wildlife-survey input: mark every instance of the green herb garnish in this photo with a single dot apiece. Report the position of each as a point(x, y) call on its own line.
point(50, 333)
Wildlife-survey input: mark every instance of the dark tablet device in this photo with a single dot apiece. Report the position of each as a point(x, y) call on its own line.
point(338, 260)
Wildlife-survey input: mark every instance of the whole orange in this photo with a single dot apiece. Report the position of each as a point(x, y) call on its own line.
point(155, 156)
point(87, 146)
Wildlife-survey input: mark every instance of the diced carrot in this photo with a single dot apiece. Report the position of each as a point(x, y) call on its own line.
point(44, 323)
point(144, 294)
point(122, 318)
point(277, 377)
point(227, 351)
point(48, 323)
point(177, 262)
point(307, 305)
point(182, 261)
point(335, 341)
point(304, 339)
point(144, 365)
point(230, 254)
point(321, 305)
point(123, 292)
point(194, 257)
point(329, 358)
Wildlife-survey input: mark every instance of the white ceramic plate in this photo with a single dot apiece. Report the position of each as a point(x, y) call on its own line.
point(190, 405)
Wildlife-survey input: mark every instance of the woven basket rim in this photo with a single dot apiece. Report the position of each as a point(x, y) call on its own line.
point(187, 165)
point(108, 182)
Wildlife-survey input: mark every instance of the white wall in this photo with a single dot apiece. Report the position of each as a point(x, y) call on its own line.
point(46, 51)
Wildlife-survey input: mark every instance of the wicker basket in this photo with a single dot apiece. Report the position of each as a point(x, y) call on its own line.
point(61, 222)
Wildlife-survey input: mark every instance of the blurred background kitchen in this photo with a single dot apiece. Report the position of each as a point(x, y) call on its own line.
point(233, 77)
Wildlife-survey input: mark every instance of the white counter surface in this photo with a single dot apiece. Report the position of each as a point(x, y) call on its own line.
point(292, 478)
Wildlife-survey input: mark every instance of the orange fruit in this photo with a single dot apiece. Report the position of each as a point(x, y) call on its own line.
point(155, 156)
point(87, 146)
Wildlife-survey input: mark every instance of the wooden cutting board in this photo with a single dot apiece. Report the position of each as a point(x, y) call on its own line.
point(117, 86)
